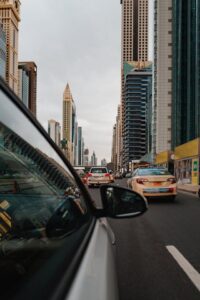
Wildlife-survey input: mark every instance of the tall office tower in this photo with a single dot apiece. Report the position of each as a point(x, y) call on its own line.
point(27, 84)
point(80, 146)
point(114, 149)
point(2, 52)
point(138, 103)
point(86, 157)
point(10, 18)
point(76, 143)
point(93, 159)
point(69, 119)
point(186, 70)
point(103, 162)
point(162, 76)
point(134, 44)
point(118, 139)
point(54, 130)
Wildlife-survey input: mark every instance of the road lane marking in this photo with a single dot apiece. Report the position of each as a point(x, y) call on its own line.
point(185, 266)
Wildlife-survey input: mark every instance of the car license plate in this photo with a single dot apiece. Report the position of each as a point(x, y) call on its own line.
point(157, 190)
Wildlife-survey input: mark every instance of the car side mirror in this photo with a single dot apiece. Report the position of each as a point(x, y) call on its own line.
point(120, 202)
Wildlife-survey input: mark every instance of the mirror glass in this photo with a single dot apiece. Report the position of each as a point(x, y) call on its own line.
point(121, 203)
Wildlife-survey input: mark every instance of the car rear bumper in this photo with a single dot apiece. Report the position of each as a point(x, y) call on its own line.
point(98, 182)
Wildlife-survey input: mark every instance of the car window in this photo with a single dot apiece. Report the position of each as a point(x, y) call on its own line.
point(98, 170)
point(134, 173)
point(42, 208)
point(154, 172)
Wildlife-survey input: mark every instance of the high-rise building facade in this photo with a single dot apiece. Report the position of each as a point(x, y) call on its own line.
point(134, 43)
point(23, 85)
point(162, 76)
point(10, 18)
point(80, 146)
point(27, 85)
point(186, 71)
point(2, 52)
point(69, 119)
point(54, 130)
point(93, 159)
point(134, 30)
point(138, 103)
point(103, 162)
point(86, 157)
point(114, 149)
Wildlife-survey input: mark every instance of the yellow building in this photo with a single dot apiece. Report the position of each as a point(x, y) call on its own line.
point(187, 162)
point(10, 18)
point(165, 159)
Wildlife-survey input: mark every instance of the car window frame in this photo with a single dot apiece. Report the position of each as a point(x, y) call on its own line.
point(69, 274)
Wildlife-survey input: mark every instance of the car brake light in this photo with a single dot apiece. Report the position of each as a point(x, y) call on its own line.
point(141, 180)
point(171, 180)
point(107, 175)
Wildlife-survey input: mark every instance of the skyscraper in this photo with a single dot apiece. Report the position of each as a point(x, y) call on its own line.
point(27, 79)
point(2, 52)
point(80, 146)
point(93, 159)
point(69, 113)
point(138, 103)
point(114, 149)
point(86, 157)
point(162, 77)
point(186, 70)
point(134, 44)
point(54, 130)
point(10, 18)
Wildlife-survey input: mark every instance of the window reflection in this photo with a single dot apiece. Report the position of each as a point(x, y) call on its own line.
point(40, 205)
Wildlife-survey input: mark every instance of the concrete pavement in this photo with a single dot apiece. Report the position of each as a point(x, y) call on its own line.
point(189, 188)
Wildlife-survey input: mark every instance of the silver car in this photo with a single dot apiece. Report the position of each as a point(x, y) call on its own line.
point(54, 242)
point(98, 176)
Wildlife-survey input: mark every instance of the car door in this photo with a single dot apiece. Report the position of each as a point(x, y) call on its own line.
point(51, 244)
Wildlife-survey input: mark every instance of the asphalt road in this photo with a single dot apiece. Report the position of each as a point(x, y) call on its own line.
point(146, 269)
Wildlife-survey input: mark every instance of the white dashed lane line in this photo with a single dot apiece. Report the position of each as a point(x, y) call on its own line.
point(190, 271)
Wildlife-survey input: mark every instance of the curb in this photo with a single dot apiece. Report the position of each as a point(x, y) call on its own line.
point(187, 191)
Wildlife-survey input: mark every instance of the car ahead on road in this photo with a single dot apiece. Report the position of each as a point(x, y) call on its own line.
point(98, 176)
point(54, 242)
point(153, 182)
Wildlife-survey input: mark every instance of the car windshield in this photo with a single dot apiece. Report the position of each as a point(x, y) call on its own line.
point(153, 172)
point(98, 170)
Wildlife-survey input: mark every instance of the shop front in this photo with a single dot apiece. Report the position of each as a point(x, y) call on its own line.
point(187, 162)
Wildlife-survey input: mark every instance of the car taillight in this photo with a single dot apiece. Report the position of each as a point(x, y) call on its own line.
point(89, 175)
point(107, 175)
point(171, 180)
point(141, 180)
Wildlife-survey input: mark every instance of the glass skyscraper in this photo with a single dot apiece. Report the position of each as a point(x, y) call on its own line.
point(138, 113)
point(186, 71)
point(2, 53)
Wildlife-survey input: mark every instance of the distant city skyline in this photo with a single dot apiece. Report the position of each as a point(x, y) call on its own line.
point(80, 56)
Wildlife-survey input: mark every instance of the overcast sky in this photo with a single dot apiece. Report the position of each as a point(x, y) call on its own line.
point(79, 42)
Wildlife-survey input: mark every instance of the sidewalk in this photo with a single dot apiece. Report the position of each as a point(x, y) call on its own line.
point(189, 188)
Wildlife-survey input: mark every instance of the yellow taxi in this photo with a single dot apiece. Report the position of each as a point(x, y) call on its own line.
point(153, 182)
